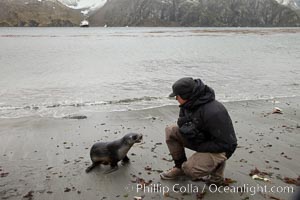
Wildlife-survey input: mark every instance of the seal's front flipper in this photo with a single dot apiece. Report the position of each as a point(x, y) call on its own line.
point(125, 160)
point(91, 167)
point(113, 167)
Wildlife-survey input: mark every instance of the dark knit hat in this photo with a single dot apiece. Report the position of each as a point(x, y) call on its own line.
point(183, 87)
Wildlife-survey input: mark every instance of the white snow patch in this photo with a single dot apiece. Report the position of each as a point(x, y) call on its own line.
point(84, 4)
point(88, 5)
point(290, 3)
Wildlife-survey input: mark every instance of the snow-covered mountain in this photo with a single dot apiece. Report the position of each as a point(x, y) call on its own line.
point(150, 12)
point(203, 13)
point(96, 4)
point(91, 5)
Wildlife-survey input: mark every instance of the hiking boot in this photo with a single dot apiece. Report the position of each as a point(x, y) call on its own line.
point(172, 174)
point(216, 180)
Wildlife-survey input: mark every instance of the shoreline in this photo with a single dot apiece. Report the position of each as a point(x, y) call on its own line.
point(45, 158)
point(89, 112)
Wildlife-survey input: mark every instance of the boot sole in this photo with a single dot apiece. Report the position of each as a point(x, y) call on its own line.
point(169, 178)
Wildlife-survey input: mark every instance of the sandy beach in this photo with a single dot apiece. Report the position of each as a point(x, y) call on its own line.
point(46, 158)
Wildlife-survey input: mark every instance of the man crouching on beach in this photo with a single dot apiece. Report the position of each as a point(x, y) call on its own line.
point(204, 126)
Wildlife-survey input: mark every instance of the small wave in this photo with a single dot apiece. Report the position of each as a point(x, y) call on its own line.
point(10, 108)
point(258, 98)
point(79, 104)
point(127, 101)
point(59, 110)
point(132, 100)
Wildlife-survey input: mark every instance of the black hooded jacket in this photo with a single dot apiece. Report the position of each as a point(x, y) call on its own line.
point(205, 122)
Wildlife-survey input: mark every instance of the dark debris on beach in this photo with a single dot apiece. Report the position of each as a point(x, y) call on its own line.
point(29, 195)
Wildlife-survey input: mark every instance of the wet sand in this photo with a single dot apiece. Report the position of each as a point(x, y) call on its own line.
point(46, 158)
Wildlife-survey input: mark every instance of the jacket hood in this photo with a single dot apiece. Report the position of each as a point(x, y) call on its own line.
point(202, 94)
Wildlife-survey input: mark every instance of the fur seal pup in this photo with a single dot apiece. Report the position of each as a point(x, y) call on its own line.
point(112, 152)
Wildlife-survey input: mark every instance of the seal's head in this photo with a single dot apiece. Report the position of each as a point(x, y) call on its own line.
point(132, 138)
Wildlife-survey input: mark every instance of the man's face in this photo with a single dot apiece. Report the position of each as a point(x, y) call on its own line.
point(180, 100)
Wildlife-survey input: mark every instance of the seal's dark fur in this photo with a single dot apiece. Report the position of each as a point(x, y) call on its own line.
point(110, 153)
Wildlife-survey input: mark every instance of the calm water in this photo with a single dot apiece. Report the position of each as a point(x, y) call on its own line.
point(61, 71)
